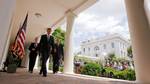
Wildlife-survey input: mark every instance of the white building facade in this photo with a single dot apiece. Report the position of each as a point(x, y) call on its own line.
point(102, 47)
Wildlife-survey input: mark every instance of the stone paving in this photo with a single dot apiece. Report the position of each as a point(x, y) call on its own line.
point(23, 77)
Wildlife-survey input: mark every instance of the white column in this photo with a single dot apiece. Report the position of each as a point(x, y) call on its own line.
point(47, 64)
point(37, 63)
point(147, 8)
point(6, 12)
point(140, 37)
point(68, 54)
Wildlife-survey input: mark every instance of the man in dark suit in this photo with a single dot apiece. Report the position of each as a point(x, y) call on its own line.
point(46, 48)
point(57, 56)
point(33, 54)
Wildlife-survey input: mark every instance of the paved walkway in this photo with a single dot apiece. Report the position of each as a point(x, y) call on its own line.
point(23, 77)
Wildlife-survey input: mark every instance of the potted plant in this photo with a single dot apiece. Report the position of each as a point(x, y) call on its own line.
point(12, 60)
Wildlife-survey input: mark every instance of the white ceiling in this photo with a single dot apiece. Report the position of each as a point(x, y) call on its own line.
point(52, 14)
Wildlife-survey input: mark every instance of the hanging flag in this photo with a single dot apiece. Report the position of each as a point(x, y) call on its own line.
point(18, 47)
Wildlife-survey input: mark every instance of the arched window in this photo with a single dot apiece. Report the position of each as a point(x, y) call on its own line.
point(96, 48)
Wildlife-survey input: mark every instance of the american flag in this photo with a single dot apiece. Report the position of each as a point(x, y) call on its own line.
point(18, 47)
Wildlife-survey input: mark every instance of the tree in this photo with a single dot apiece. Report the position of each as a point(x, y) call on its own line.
point(129, 52)
point(59, 34)
point(111, 57)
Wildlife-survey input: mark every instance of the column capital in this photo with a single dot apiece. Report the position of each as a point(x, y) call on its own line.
point(70, 13)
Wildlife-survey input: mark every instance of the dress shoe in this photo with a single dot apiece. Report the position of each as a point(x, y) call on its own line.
point(44, 75)
point(40, 73)
point(30, 71)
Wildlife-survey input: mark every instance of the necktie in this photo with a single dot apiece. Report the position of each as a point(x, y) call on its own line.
point(48, 37)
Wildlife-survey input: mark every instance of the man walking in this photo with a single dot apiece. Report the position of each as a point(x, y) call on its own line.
point(57, 55)
point(46, 48)
point(33, 54)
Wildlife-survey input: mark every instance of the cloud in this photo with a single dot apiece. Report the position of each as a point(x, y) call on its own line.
point(106, 16)
point(107, 7)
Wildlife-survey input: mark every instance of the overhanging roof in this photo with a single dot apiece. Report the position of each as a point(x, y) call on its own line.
point(45, 13)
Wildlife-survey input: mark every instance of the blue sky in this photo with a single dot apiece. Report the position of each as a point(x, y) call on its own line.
point(104, 17)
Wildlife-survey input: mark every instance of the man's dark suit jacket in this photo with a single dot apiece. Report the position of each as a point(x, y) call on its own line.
point(32, 46)
point(46, 46)
point(59, 51)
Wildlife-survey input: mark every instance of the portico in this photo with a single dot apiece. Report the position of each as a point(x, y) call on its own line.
point(52, 13)
point(42, 14)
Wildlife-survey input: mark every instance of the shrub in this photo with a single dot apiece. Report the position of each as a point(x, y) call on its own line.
point(61, 68)
point(92, 69)
point(50, 66)
point(130, 74)
point(127, 74)
point(109, 72)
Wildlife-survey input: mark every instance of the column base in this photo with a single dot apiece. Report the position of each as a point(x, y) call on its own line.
point(142, 82)
point(68, 72)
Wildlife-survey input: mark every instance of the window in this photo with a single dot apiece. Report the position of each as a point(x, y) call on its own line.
point(96, 48)
point(121, 53)
point(89, 49)
point(104, 46)
point(83, 49)
point(96, 55)
point(112, 45)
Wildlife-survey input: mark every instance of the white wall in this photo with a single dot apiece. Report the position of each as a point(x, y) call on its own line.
point(119, 45)
point(6, 12)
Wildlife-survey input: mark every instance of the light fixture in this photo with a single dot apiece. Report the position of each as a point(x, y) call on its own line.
point(38, 15)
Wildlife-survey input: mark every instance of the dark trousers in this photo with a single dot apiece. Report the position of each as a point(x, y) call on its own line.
point(32, 59)
point(55, 63)
point(45, 56)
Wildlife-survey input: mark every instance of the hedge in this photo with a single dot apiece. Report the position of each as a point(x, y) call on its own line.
point(92, 69)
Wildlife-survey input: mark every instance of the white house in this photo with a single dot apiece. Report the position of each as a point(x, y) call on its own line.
point(101, 47)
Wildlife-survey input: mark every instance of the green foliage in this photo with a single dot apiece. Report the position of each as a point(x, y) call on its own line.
point(130, 74)
point(59, 34)
point(127, 74)
point(129, 52)
point(92, 69)
point(111, 57)
point(50, 66)
point(122, 60)
point(61, 69)
point(109, 69)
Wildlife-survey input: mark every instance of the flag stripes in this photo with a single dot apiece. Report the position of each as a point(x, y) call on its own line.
point(20, 40)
